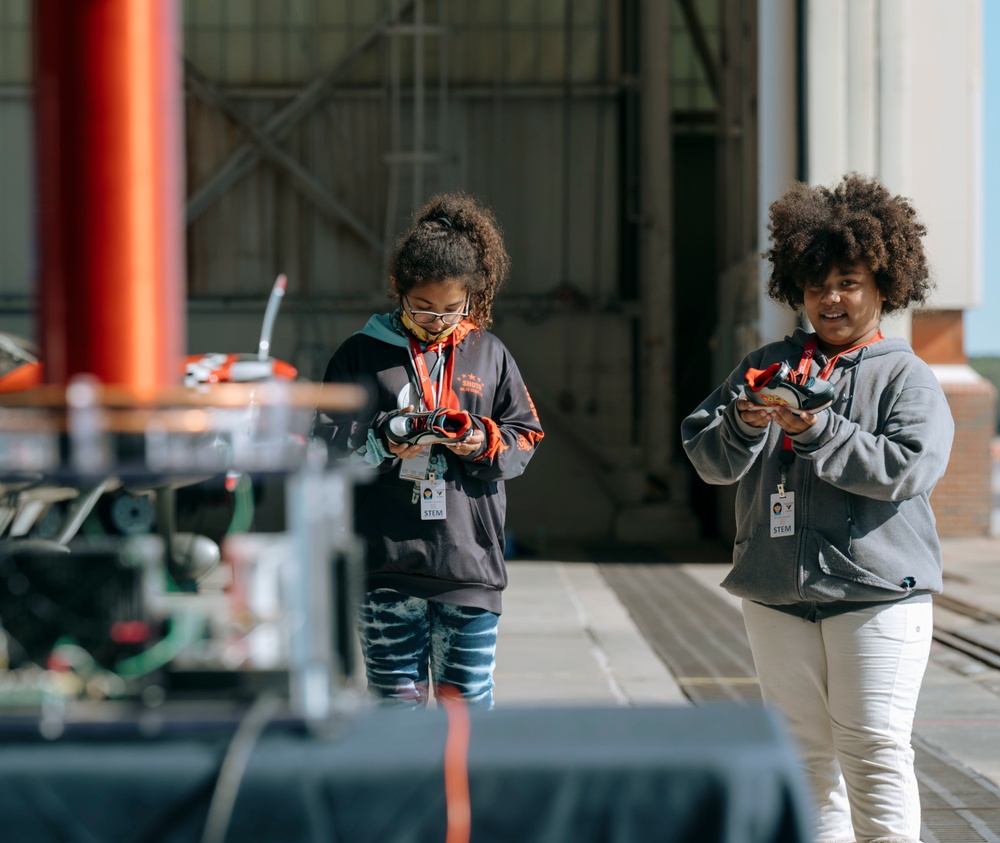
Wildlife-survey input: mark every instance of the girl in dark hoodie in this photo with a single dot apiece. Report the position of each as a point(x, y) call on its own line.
point(433, 519)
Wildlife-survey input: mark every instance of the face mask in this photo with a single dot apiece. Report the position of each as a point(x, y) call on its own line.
point(420, 332)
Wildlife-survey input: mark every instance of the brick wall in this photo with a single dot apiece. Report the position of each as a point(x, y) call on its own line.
point(963, 499)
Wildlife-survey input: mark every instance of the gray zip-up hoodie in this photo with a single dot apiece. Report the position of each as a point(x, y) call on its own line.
point(862, 478)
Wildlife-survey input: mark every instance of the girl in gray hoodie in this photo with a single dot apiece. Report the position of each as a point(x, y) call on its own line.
point(836, 553)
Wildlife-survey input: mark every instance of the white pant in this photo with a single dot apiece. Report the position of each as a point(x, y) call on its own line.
point(848, 687)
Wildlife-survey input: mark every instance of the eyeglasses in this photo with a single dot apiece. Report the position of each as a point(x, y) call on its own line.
point(425, 317)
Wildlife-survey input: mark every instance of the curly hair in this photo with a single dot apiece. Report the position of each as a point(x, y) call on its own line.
point(816, 228)
point(453, 237)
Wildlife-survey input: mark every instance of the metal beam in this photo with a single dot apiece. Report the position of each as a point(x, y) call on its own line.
point(322, 198)
point(656, 284)
point(701, 44)
point(245, 158)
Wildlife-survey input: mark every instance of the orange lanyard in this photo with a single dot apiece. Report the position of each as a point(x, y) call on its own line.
point(801, 374)
point(443, 395)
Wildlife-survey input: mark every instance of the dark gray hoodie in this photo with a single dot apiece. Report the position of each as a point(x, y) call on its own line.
point(862, 477)
point(458, 560)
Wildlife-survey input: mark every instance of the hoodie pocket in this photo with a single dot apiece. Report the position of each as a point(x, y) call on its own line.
point(837, 564)
point(386, 514)
point(759, 573)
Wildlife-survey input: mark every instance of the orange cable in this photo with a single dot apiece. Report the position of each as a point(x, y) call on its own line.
point(456, 766)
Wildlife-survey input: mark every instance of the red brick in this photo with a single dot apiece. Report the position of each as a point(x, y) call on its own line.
point(963, 499)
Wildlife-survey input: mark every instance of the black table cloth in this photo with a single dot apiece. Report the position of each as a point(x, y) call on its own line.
point(719, 773)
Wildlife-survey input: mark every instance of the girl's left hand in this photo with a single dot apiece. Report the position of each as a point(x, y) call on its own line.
point(470, 445)
point(793, 421)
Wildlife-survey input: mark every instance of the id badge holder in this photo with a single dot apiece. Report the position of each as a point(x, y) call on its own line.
point(782, 511)
point(433, 503)
point(415, 468)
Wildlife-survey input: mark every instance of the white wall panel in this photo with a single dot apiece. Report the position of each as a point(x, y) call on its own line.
point(916, 101)
point(946, 146)
point(826, 90)
point(778, 142)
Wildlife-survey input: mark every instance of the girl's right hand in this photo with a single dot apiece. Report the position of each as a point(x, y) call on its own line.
point(753, 414)
point(402, 450)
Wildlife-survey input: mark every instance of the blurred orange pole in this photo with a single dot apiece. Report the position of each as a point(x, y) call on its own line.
point(108, 123)
point(456, 765)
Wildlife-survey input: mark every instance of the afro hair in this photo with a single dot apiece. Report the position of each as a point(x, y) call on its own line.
point(814, 229)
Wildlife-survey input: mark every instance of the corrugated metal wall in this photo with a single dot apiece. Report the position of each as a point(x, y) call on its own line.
point(16, 187)
point(520, 102)
point(498, 118)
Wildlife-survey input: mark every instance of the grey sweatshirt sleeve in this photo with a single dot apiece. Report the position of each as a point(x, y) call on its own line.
point(903, 457)
point(720, 445)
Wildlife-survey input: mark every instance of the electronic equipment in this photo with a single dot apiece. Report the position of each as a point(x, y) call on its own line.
point(152, 617)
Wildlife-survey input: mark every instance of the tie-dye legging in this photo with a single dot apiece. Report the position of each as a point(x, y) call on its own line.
point(404, 636)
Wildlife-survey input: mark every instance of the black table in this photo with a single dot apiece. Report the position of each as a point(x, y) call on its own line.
point(720, 773)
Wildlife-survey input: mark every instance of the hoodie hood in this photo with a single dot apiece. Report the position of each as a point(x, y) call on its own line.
point(382, 327)
point(888, 345)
